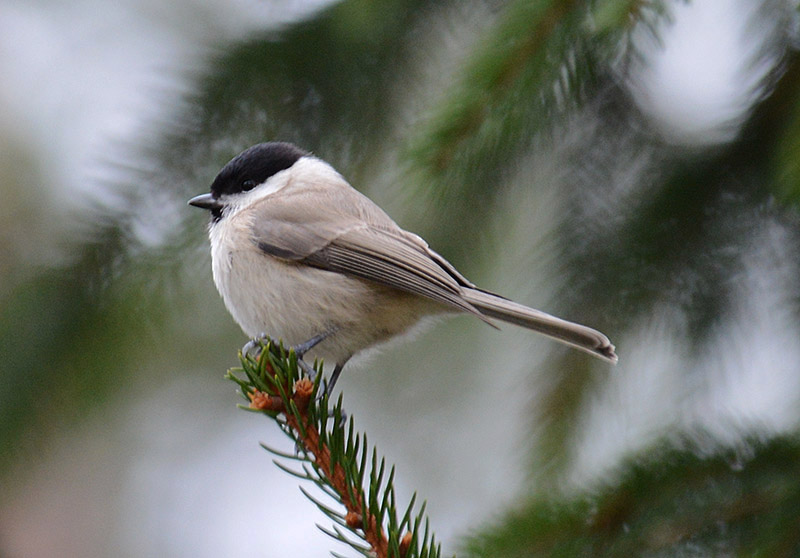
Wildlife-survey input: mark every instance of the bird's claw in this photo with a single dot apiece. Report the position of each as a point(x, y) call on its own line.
point(253, 346)
point(307, 368)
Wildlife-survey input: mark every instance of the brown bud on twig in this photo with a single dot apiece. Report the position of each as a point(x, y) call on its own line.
point(303, 389)
point(265, 402)
point(353, 520)
point(405, 543)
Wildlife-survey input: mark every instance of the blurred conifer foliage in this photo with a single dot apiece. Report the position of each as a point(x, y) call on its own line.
point(643, 224)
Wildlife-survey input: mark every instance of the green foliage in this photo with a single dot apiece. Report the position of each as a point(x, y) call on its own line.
point(542, 59)
point(77, 323)
point(673, 502)
point(325, 84)
point(785, 162)
point(335, 458)
point(671, 243)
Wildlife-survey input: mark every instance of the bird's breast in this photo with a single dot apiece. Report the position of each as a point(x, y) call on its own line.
point(295, 302)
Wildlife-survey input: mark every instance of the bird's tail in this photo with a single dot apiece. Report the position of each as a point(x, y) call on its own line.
point(576, 335)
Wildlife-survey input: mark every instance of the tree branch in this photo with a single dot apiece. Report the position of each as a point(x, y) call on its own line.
point(335, 458)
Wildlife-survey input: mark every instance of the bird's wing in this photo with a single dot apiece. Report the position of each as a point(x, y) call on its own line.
point(327, 237)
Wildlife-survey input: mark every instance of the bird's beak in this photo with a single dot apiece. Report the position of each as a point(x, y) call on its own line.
point(206, 201)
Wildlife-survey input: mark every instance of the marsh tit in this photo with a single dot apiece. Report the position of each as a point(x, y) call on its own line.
point(299, 254)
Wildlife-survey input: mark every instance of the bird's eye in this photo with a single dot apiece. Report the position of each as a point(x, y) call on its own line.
point(248, 184)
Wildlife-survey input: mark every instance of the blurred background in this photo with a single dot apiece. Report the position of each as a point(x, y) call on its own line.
point(631, 165)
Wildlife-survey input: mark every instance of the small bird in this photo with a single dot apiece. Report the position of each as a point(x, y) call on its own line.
point(300, 254)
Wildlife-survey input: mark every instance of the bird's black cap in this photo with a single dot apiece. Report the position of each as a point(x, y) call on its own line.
point(253, 166)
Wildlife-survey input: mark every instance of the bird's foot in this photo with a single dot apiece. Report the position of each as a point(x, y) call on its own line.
point(302, 348)
point(253, 347)
point(329, 384)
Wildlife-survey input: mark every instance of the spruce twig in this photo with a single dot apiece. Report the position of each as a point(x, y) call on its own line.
point(333, 456)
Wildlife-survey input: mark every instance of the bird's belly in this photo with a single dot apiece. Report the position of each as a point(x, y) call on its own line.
point(295, 302)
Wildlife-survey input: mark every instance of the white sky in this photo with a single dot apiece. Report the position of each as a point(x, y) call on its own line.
point(700, 84)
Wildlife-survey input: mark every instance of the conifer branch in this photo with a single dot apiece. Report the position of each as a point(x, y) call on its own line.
point(334, 457)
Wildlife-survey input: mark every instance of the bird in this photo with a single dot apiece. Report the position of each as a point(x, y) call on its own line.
point(301, 255)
